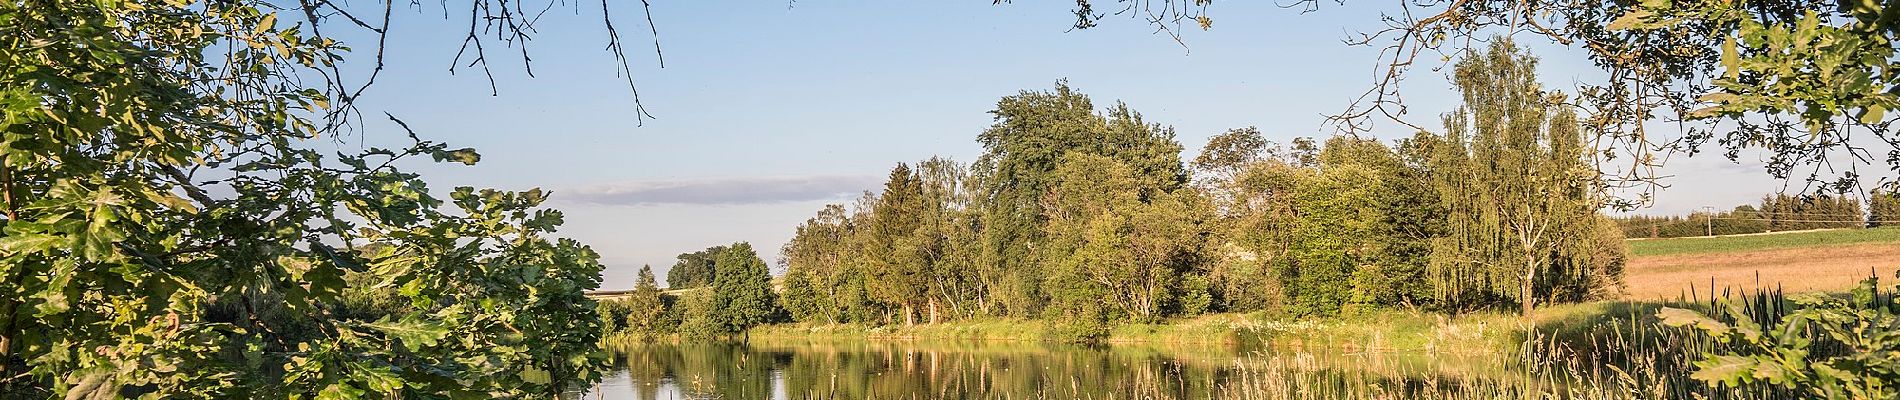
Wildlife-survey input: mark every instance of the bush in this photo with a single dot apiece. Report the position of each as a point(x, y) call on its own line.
point(1826, 346)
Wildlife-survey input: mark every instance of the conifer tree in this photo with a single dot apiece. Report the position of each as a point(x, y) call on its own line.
point(1883, 207)
point(644, 303)
point(899, 263)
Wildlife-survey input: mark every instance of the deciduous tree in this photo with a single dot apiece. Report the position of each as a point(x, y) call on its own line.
point(742, 291)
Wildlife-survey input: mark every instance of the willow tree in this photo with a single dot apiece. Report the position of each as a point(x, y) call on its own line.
point(1520, 194)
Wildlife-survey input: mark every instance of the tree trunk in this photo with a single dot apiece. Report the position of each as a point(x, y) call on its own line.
point(555, 378)
point(1528, 299)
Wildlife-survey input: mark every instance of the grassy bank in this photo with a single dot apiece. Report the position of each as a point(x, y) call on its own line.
point(1381, 331)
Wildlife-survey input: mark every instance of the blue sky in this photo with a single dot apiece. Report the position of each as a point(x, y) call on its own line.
point(766, 110)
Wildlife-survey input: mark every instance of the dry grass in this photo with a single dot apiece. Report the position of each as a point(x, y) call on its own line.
point(1817, 268)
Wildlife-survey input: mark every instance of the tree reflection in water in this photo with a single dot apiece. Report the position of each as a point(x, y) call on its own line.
point(1016, 370)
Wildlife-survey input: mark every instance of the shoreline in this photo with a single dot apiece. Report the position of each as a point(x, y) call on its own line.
point(1390, 331)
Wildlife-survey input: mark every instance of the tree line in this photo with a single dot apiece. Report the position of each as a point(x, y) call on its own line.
point(1775, 212)
point(1089, 218)
point(719, 291)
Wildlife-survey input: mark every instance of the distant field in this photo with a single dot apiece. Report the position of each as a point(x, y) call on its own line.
point(1729, 244)
point(1799, 261)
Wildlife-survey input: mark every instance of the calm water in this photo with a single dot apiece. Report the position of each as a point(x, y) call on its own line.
point(1005, 370)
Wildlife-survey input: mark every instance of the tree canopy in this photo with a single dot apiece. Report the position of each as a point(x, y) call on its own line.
point(695, 269)
point(1808, 83)
point(742, 290)
point(176, 224)
point(1086, 233)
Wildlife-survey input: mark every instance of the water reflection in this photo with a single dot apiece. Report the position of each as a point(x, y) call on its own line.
point(1005, 370)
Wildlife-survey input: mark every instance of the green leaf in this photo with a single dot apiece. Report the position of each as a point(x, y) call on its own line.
point(466, 156)
point(340, 391)
point(269, 21)
point(97, 384)
point(411, 331)
point(171, 201)
point(1678, 317)
point(1731, 58)
point(1873, 114)
point(26, 243)
point(380, 380)
point(1635, 19)
point(1771, 372)
point(1727, 369)
point(1718, 97)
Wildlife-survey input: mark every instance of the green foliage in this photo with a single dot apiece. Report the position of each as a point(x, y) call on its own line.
point(818, 257)
point(741, 292)
point(1883, 207)
point(1825, 346)
point(614, 315)
point(1228, 154)
point(800, 299)
point(644, 308)
point(1796, 78)
point(1806, 83)
point(1743, 219)
point(1786, 212)
point(1107, 243)
point(897, 250)
point(1084, 219)
point(943, 239)
point(1335, 224)
point(695, 269)
point(1197, 295)
point(1032, 134)
point(698, 318)
point(1259, 228)
point(175, 228)
point(1775, 212)
point(1521, 199)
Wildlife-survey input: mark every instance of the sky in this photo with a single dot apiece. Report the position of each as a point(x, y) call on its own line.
point(765, 111)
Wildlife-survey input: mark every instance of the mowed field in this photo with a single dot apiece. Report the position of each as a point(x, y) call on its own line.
point(1827, 260)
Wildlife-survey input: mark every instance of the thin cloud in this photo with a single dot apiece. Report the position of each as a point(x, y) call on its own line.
point(721, 191)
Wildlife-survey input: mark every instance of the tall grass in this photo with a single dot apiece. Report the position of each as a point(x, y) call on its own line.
point(1625, 353)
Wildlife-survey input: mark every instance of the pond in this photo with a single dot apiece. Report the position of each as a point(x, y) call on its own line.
point(795, 369)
